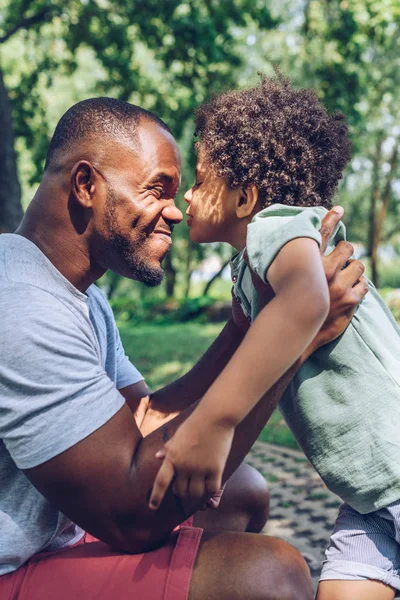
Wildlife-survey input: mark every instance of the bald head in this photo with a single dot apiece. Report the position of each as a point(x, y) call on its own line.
point(97, 120)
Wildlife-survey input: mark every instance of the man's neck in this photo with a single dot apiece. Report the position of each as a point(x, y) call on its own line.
point(65, 249)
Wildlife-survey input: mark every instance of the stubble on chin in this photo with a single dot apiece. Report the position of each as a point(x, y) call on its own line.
point(132, 258)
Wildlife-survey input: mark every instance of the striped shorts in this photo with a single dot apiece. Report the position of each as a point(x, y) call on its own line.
point(365, 547)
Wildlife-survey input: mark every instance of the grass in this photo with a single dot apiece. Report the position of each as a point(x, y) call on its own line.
point(164, 353)
point(277, 432)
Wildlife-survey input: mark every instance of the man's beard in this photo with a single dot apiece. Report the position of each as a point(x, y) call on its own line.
point(131, 258)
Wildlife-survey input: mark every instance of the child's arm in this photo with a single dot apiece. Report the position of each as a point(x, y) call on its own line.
point(196, 455)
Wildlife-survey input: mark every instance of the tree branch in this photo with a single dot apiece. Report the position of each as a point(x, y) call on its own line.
point(43, 15)
point(215, 277)
point(389, 234)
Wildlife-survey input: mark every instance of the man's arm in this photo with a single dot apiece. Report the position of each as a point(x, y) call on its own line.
point(137, 398)
point(103, 483)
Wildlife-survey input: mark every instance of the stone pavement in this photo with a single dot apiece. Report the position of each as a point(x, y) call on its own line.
point(303, 511)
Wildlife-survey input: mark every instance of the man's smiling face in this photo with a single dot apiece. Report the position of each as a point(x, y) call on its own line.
point(133, 222)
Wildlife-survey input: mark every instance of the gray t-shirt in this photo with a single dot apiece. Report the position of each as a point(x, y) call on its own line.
point(61, 366)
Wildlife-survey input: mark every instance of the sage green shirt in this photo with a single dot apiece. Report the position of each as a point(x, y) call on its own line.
point(343, 406)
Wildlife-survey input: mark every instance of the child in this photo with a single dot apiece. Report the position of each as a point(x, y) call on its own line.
point(269, 160)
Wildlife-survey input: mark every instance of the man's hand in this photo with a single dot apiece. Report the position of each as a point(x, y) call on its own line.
point(347, 286)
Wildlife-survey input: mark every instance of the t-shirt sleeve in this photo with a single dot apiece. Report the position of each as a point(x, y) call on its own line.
point(127, 373)
point(270, 230)
point(54, 391)
point(123, 372)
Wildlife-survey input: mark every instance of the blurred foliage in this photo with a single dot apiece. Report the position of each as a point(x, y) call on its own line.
point(157, 312)
point(392, 298)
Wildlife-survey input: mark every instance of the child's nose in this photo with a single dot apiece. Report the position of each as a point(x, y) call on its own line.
point(188, 196)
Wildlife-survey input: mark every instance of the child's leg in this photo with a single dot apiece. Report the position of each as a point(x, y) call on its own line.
point(363, 559)
point(354, 590)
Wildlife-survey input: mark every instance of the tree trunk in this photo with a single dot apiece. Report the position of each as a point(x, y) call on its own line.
point(375, 194)
point(170, 275)
point(10, 191)
point(374, 264)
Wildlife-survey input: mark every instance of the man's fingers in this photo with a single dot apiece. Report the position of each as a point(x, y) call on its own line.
point(215, 499)
point(347, 278)
point(161, 483)
point(328, 225)
point(337, 259)
point(213, 485)
point(360, 289)
point(353, 272)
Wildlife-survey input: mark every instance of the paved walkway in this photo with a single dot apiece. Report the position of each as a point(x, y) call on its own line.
point(303, 511)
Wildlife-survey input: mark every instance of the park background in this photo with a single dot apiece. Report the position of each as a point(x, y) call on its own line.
point(168, 56)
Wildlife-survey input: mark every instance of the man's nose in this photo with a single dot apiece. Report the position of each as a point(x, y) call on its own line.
point(172, 213)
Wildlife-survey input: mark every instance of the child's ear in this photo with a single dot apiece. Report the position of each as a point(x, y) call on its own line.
point(246, 201)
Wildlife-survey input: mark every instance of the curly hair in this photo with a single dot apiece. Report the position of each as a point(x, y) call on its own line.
point(280, 139)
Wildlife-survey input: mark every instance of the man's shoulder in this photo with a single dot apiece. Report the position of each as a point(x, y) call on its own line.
point(98, 303)
point(26, 307)
point(19, 260)
point(29, 279)
point(22, 262)
point(97, 296)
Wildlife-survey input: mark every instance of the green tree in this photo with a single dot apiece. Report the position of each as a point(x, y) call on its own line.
point(349, 51)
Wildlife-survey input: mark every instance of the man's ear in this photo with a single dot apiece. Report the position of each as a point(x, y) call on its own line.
point(246, 202)
point(83, 183)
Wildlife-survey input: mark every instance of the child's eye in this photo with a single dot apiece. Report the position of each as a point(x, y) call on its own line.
point(197, 184)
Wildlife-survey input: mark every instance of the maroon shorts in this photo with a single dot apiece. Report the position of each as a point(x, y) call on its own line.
point(91, 570)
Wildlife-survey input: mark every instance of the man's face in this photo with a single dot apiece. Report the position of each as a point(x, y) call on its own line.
point(211, 207)
point(134, 219)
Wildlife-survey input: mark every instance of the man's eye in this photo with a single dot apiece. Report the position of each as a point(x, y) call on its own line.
point(197, 184)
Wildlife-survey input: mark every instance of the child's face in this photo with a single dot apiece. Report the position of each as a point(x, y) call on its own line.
point(211, 208)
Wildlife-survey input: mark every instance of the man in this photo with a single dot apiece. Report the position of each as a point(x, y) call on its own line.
point(71, 452)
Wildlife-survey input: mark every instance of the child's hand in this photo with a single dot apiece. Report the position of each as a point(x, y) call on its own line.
point(194, 459)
